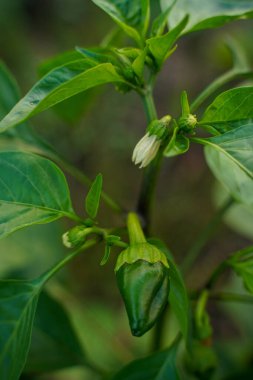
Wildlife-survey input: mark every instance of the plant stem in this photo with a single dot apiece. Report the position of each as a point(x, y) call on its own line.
point(45, 277)
point(205, 234)
point(231, 297)
point(151, 172)
point(214, 86)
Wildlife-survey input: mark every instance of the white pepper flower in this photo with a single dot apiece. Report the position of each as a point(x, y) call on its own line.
point(147, 148)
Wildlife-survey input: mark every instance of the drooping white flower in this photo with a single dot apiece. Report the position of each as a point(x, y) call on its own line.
point(146, 150)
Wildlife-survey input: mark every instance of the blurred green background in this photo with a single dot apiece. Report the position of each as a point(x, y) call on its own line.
point(101, 139)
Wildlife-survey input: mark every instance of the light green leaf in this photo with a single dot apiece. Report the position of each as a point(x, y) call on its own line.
point(18, 301)
point(54, 344)
point(178, 297)
point(230, 157)
point(178, 144)
point(160, 21)
point(159, 366)
point(58, 85)
point(230, 109)
point(244, 269)
point(206, 14)
point(160, 47)
point(93, 197)
point(33, 190)
point(131, 16)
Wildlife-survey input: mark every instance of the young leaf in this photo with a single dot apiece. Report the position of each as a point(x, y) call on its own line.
point(229, 156)
point(178, 297)
point(33, 190)
point(18, 301)
point(54, 344)
point(206, 14)
point(160, 47)
point(160, 22)
point(159, 366)
point(58, 85)
point(230, 108)
point(131, 16)
point(178, 144)
point(244, 269)
point(93, 197)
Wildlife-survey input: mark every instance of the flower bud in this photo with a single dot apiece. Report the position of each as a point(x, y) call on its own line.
point(74, 237)
point(187, 123)
point(142, 273)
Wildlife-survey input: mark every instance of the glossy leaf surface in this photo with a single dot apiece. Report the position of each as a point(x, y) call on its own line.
point(18, 301)
point(233, 108)
point(58, 85)
point(159, 366)
point(93, 197)
point(33, 190)
point(230, 157)
point(131, 16)
point(206, 14)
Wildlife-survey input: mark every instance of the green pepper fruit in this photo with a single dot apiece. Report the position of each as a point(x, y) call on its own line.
point(142, 273)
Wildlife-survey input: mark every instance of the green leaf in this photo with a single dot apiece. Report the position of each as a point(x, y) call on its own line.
point(33, 190)
point(178, 297)
point(59, 60)
point(93, 197)
point(58, 85)
point(244, 269)
point(229, 156)
point(54, 344)
point(161, 46)
point(178, 144)
point(131, 16)
point(18, 301)
point(160, 21)
point(230, 109)
point(206, 14)
point(159, 366)
point(139, 63)
point(9, 93)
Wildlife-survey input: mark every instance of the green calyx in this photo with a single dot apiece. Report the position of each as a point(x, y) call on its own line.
point(187, 123)
point(139, 248)
point(159, 127)
point(141, 251)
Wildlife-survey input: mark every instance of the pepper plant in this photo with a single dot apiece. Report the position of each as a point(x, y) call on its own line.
point(34, 190)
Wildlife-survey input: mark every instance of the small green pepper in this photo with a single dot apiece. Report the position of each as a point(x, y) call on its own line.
point(142, 273)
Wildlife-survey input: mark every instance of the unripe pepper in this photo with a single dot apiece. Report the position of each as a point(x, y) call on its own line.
point(142, 273)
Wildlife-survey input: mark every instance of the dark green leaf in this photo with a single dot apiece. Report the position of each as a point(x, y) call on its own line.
point(18, 301)
point(58, 60)
point(54, 344)
point(161, 46)
point(232, 107)
point(33, 190)
point(159, 366)
point(93, 197)
point(131, 16)
point(9, 93)
point(58, 85)
point(178, 144)
point(178, 297)
point(99, 55)
point(230, 157)
point(205, 14)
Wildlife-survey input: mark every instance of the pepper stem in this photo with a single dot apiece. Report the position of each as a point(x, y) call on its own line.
point(135, 231)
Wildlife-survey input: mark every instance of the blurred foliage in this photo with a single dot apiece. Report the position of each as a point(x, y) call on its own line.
point(102, 141)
